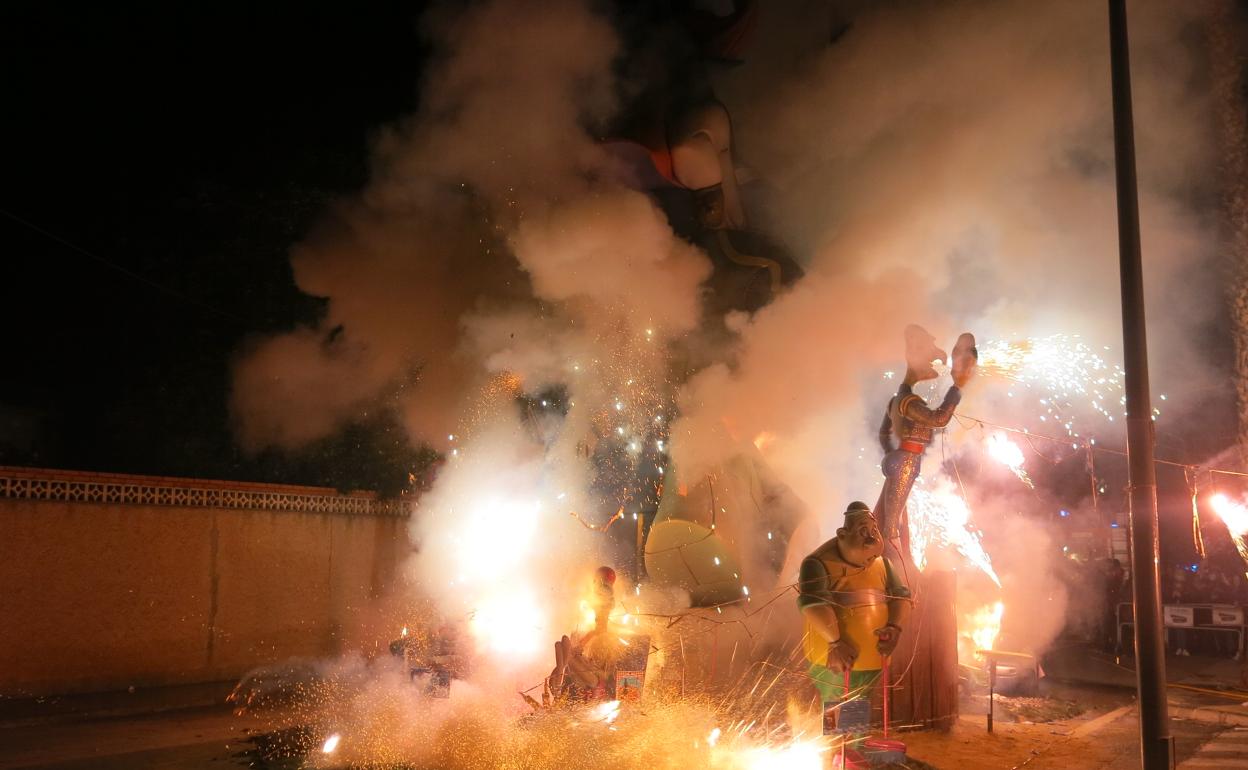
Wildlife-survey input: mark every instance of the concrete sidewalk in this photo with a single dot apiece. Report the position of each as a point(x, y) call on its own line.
point(149, 700)
point(1201, 688)
point(122, 742)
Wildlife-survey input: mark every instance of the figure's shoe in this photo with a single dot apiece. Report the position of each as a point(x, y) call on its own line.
point(965, 356)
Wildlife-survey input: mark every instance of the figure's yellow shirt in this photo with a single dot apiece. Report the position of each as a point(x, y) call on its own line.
point(858, 595)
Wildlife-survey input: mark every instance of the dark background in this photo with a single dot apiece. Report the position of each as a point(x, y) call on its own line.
point(186, 147)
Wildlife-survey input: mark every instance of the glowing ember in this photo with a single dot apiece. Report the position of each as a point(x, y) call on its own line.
point(331, 743)
point(764, 440)
point(1006, 452)
point(713, 738)
point(939, 517)
point(1235, 516)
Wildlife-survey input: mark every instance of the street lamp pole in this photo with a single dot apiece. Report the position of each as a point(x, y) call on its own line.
point(1156, 744)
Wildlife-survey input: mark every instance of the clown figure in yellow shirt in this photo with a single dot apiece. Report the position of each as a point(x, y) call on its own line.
point(854, 604)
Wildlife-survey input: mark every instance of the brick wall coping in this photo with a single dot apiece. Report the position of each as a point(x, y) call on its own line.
point(120, 488)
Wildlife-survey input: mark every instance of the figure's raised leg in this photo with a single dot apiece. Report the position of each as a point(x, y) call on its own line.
point(901, 468)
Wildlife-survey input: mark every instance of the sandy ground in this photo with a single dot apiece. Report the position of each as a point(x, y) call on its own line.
point(1104, 739)
point(1099, 740)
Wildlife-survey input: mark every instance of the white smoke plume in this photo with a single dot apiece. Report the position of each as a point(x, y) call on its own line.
point(951, 163)
point(969, 144)
point(495, 196)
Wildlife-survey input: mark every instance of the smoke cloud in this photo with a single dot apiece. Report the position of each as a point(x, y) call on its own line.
point(945, 163)
point(495, 198)
point(970, 145)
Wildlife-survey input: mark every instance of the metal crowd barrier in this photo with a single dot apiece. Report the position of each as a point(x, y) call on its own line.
point(1225, 618)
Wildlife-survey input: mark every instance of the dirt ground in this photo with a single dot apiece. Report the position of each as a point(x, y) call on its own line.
point(1102, 736)
point(1098, 740)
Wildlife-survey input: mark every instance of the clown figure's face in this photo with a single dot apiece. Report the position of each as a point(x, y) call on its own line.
point(860, 541)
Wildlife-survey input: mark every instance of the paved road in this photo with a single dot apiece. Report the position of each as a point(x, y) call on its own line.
point(205, 737)
point(1227, 750)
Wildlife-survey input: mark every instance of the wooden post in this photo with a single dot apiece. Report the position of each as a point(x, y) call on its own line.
point(992, 686)
point(639, 554)
point(925, 663)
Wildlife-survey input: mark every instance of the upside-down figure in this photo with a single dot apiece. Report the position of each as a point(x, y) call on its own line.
point(913, 422)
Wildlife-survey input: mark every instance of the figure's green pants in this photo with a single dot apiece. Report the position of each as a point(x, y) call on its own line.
point(831, 684)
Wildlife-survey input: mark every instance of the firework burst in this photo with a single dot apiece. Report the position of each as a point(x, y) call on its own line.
point(1069, 376)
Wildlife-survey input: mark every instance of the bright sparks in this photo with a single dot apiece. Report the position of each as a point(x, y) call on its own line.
point(1063, 370)
point(1235, 516)
point(505, 529)
point(741, 747)
point(798, 755)
point(504, 615)
point(1006, 452)
point(606, 712)
point(331, 744)
point(939, 517)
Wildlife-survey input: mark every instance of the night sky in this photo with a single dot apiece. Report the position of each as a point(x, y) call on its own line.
point(184, 148)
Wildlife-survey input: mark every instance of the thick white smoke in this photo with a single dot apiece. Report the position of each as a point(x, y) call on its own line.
point(948, 163)
point(969, 144)
point(494, 197)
